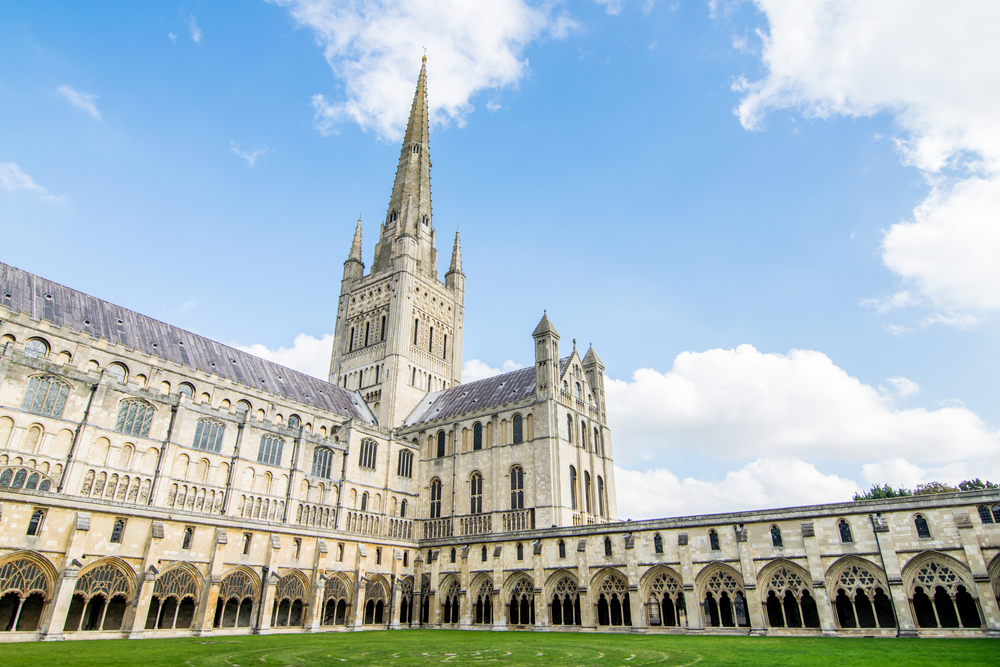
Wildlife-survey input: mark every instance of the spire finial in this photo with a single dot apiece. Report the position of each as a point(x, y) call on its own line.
point(424, 59)
point(574, 344)
point(355, 253)
point(456, 256)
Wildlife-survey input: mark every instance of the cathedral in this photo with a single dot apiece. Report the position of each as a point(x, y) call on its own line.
point(154, 482)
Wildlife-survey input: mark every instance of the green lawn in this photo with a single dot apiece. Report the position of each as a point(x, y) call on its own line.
point(426, 647)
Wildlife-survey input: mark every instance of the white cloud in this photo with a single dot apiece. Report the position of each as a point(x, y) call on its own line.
point(173, 37)
point(936, 68)
point(612, 7)
point(903, 386)
point(251, 158)
point(193, 28)
point(13, 179)
point(375, 48)
point(80, 100)
point(764, 483)
point(474, 369)
point(307, 354)
point(732, 404)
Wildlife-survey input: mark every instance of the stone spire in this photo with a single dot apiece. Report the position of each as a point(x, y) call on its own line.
point(456, 256)
point(355, 253)
point(409, 212)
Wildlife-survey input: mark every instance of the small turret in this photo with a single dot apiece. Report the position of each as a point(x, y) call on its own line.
point(455, 279)
point(593, 368)
point(354, 267)
point(546, 357)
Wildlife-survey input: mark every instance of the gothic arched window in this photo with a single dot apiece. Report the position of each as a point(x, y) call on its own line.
point(562, 548)
point(382, 336)
point(46, 396)
point(476, 493)
point(520, 551)
point(322, 462)
point(134, 418)
point(440, 447)
point(364, 501)
point(607, 546)
point(484, 553)
point(586, 490)
point(572, 487)
point(516, 488)
point(713, 540)
point(477, 436)
point(369, 449)
point(923, 530)
point(845, 532)
point(270, 450)
point(776, 536)
point(583, 434)
point(518, 431)
point(657, 544)
point(435, 498)
point(569, 428)
point(600, 495)
point(208, 435)
point(402, 514)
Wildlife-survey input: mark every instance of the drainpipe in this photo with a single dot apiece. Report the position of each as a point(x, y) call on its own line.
point(159, 457)
point(76, 435)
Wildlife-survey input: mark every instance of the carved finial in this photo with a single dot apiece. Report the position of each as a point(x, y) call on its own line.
point(424, 59)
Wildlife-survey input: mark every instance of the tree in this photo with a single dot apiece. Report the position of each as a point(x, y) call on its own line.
point(976, 485)
point(882, 492)
point(933, 487)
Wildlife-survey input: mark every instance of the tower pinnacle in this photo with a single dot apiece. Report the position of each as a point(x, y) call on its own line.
point(356, 244)
point(456, 256)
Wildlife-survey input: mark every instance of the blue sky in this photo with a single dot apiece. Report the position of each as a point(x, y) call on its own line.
point(778, 230)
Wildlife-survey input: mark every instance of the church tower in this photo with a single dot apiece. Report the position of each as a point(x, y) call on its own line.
point(399, 328)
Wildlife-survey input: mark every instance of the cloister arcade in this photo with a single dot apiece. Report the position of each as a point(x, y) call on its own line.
point(939, 590)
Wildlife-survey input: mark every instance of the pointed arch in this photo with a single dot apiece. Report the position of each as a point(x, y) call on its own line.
point(860, 594)
point(27, 572)
point(786, 597)
point(721, 596)
point(562, 594)
point(610, 594)
point(942, 592)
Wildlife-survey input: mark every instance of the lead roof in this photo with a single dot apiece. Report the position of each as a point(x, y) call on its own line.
point(477, 396)
point(43, 299)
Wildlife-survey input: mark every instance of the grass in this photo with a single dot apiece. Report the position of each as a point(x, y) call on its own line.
point(426, 647)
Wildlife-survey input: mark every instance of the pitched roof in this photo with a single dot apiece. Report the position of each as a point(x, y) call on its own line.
point(474, 397)
point(544, 326)
point(40, 298)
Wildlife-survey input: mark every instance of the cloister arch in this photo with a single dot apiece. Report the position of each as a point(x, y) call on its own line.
point(519, 596)
point(663, 596)
point(406, 600)
point(482, 599)
point(722, 598)
point(238, 598)
point(376, 601)
point(941, 592)
point(859, 594)
point(27, 580)
point(562, 591)
point(611, 598)
point(175, 598)
point(291, 597)
point(337, 603)
point(104, 591)
point(448, 595)
point(786, 597)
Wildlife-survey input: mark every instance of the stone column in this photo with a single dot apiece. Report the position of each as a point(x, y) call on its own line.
point(465, 582)
point(633, 576)
point(418, 592)
point(314, 614)
point(499, 605)
point(51, 628)
point(204, 619)
point(818, 584)
point(980, 574)
point(748, 570)
point(887, 552)
point(144, 595)
point(588, 614)
point(269, 585)
point(692, 616)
